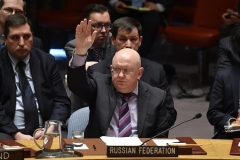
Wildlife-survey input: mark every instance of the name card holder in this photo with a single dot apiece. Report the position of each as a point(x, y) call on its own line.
point(142, 151)
point(12, 154)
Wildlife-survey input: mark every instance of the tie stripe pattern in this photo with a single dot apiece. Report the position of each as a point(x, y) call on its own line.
point(125, 128)
point(29, 103)
point(97, 54)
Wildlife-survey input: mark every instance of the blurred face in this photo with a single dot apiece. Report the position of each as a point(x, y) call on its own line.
point(126, 39)
point(19, 41)
point(10, 7)
point(125, 73)
point(102, 20)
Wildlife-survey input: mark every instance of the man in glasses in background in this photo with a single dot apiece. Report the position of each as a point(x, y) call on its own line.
point(101, 48)
point(9, 7)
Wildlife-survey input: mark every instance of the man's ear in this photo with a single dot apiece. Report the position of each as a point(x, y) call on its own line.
point(140, 72)
point(113, 40)
point(4, 38)
point(140, 41)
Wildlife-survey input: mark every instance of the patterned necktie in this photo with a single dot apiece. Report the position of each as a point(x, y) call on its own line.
point(125, 127)
point(137, 3)
point(97, 54)
point(29, 103)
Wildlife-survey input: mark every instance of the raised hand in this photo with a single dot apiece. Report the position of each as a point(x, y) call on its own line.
point(84, 37)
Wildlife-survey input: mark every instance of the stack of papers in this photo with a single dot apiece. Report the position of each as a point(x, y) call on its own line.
point(121, 141)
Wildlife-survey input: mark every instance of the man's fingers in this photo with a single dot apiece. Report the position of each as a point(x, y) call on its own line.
point(94, 35)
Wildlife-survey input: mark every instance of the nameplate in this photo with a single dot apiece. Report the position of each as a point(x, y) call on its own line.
point(142, 151)
point(11, 154)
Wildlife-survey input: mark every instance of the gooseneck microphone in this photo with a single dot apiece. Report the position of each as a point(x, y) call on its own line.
point(195, 117)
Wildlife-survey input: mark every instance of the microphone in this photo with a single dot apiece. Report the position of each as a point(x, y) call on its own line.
point(195, 117)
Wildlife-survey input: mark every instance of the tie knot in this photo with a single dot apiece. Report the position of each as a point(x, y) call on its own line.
point(21, 64)
point(126, 96)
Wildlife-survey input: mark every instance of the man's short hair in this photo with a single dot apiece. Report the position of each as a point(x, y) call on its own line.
point(126, 23)
point(15, 20)
point(93, 8)
point(2, 3)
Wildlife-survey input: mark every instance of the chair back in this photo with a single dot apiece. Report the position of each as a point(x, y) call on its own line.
point(78, 120)
point(78, 5)
point(209, 12)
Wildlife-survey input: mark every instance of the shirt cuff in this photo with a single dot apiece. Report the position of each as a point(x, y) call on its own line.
point(76, 60)
point(160, 7)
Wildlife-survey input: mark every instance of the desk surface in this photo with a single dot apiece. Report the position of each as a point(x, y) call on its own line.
point(216, 149)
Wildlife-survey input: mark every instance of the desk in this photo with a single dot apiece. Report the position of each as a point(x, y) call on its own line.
point(216, 149)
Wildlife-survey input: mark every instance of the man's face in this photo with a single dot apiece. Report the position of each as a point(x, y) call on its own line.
point(126, 39)
point(125, 74)
point(19, 41)
point(10, 7)
point(98, 18)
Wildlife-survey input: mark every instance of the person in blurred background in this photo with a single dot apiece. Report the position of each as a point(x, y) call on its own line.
point(150, 20)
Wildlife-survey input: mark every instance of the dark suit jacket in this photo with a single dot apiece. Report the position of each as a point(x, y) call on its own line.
point(227, 56)
point(53, 101)
point(153, 75)
point(101, 96)
point(109, 49)
point(37, 43)
point(224, 100)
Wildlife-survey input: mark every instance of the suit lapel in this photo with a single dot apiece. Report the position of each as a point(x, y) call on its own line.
point(235, 80)
point(143, 104)
point(112, 104)
point(35, 70)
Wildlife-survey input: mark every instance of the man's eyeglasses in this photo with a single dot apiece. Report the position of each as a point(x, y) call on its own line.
point(99, 26)
point(124, 71)
point(11, 11)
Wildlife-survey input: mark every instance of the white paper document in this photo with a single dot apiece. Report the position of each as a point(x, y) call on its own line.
point(84, 146)
point(121, 141)
point(164, 142)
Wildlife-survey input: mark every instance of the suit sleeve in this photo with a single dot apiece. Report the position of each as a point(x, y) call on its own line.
point(69, 47)
point(80, 84)
point(6, 123)
point(61, 102)
point(216, 113)
point(166, 3)
point(223, 58)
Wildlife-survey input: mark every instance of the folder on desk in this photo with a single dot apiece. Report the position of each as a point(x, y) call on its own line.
point(28, 152)
point(235, 150)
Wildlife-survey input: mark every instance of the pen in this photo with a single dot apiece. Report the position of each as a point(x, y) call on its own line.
point(95, 148)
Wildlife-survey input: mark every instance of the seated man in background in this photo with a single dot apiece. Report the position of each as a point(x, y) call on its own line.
point(101, 23)
point(127, 33)
point(9, 7)
point(229, 18)
point(150, 20)
point(101, 48)
point(229, 49)
point(224, 102)
point(112, 98)
point(32, 88)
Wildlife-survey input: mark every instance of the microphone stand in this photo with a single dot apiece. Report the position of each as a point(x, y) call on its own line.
point(167, 130)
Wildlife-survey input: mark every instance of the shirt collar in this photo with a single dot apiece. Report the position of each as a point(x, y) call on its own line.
point(15, 60)
point(135, 90)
